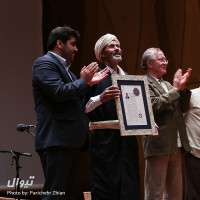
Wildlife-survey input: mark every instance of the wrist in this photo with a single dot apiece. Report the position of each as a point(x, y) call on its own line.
point(176, 88)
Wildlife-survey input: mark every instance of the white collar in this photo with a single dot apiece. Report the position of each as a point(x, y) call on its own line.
point(61, 59)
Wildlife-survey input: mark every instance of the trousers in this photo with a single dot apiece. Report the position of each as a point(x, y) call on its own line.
point(163, 177)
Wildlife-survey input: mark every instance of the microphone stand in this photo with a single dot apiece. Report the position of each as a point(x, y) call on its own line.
point(15, 157)
point(30, 132)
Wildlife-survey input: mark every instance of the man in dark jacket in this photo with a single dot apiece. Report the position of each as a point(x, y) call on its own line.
point(114, 159)
point(61, 128)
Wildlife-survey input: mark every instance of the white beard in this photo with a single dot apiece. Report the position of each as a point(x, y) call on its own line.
point(117, 58)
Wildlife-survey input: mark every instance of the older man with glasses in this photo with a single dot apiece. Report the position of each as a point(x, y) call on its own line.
point(163, 153)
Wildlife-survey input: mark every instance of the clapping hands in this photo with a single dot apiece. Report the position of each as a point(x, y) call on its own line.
point(180, 80)
point(91, 76)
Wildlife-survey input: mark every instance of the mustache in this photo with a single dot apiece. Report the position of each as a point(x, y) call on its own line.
point(117, 52)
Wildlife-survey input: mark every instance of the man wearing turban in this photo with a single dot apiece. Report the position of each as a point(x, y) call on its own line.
point(114, 159)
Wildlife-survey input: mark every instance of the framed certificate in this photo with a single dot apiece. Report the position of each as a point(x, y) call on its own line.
point(134, 107)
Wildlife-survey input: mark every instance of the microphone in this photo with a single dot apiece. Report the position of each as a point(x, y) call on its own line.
point(23, 127)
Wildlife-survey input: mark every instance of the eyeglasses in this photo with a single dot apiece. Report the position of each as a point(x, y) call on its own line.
point(163, 60)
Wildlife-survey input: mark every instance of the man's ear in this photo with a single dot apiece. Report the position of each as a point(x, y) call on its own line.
point(59, 44)
point(103, 55)
point(149, 63)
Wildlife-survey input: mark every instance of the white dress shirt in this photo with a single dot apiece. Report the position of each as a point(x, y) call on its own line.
point(192, 120)
point(95, 101)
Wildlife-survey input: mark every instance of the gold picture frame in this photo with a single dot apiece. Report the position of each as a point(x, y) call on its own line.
point(134, 107)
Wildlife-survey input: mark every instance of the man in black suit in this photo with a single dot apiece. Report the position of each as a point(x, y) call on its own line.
point(114, 159)
point(61, 128)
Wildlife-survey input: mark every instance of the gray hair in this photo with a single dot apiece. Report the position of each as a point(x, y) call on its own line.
point(149, 54)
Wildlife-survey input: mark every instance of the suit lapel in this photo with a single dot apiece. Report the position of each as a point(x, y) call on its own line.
point(61, 67)
point(168, 85)
point(155, 84)
point(72, 75)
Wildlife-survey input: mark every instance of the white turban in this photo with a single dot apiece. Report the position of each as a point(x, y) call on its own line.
point(101, 43)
